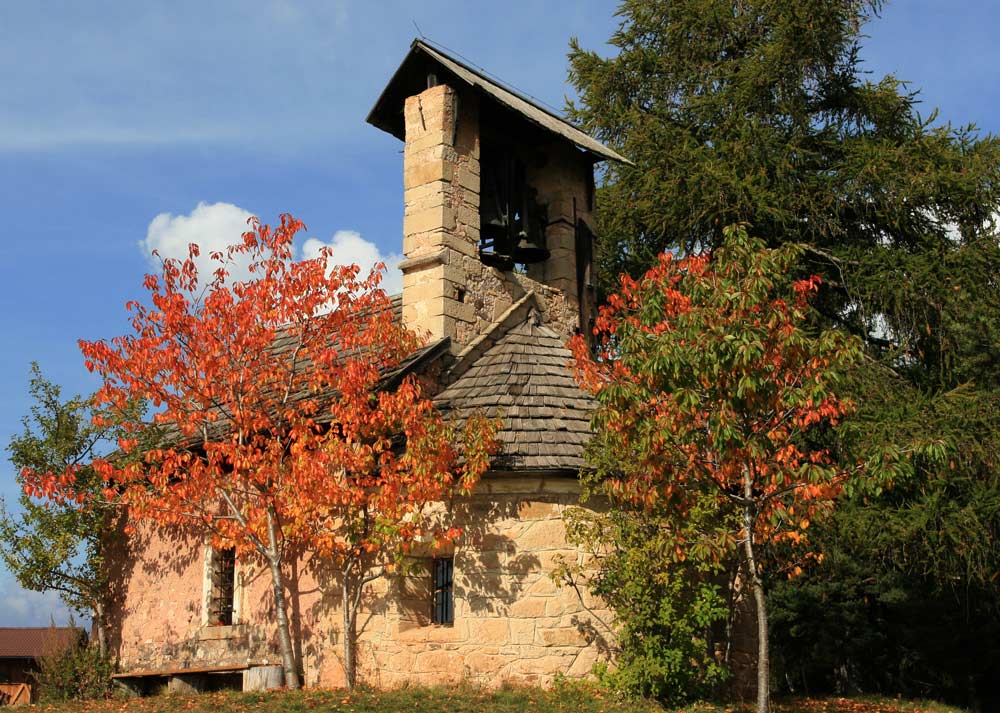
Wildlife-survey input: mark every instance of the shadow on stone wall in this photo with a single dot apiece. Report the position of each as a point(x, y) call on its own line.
point(493, 573)
point(323, 643)
point(165, 562)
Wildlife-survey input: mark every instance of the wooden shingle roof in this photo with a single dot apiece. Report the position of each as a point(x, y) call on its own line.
point(519, 372)
point(169, 436)
point(525, 380)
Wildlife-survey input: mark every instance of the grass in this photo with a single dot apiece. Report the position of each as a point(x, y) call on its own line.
point(863, 704)
point(573, 698)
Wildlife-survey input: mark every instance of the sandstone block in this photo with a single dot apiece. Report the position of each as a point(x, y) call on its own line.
point(471, 234)
point(561, 486)
point(435, 634)
point(418, 172)
point(500, 542)
point(489, 630)
point(485, 663)
point(467, 216)
point(420, 244)
point(550, 665)
point(425, 289)
point(528, 607)
point(523, 565)
point(460, 311)
point(522, 631)
point(592, 602)
point(432, 218)
point(488, 560)
point(469, 198)
point(422, 141)
point(558, 606)
point(432, 109)
point(543, 535)
point(425, 325)
point(563, 636)
point(426, 190)
point(538, 510)
point(469, 180)
point(543, 585)
point(584, 663)
point(471, 163)
point(590, 620)
point(401, 661)
point(439, 661)
point(549, 560)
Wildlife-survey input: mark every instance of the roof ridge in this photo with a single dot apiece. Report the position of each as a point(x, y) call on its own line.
point(468, 64)
point(388, 119)
point(491, 335)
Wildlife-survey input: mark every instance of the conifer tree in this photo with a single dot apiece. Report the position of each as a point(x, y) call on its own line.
point(761, 112)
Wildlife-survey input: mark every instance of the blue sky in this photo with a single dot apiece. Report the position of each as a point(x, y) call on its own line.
point(125, 126)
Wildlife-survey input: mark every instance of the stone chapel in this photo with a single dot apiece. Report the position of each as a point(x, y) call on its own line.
point(497, 238)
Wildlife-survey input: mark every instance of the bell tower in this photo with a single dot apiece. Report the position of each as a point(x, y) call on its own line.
point(498, 195)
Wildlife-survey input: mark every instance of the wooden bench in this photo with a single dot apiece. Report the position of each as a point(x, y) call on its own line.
point(257, 676)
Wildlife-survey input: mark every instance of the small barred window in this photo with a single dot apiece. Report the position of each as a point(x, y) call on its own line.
point(221, 604)
point(444, 601)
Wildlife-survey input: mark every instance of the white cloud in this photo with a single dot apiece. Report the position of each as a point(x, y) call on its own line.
point(349, 248)
point(216, 225)
point(21, 607)
point(212, 226)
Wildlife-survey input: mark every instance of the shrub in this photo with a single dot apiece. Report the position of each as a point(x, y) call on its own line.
point(74, 672)
point(668, 610)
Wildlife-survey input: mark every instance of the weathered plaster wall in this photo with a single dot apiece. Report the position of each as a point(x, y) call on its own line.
point(512, 621)
point(159, 620)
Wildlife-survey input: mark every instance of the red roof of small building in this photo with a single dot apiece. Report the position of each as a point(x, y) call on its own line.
point(34, 642)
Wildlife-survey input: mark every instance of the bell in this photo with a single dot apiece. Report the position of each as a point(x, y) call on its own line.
point(529, 252)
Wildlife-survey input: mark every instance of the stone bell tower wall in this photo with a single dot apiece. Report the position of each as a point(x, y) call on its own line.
point(447, 290)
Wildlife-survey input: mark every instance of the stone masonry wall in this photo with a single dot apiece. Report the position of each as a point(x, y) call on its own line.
point(512, 621)
point(441, 215)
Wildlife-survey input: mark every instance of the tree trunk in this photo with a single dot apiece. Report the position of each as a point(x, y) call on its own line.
point(102, 629)
point(278, 589)
point(350, 672)
point(763, 650)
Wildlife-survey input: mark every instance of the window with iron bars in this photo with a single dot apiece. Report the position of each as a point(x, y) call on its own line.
point(222, 602)
point(443, 610)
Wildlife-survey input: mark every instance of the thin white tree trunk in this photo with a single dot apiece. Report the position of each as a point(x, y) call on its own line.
point(102, 630)
point(278, 589)
point(350, 671)
point(757, 585)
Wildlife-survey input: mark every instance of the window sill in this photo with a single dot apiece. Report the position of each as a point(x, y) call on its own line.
point(431, 633)
point(211, 632)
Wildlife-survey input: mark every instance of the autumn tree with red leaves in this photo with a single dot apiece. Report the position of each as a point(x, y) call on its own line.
point(392, 461)
point(710, 383)
point(280, 430)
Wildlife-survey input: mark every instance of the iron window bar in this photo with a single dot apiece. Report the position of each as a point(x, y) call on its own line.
point(444, 600)
point(223, 588)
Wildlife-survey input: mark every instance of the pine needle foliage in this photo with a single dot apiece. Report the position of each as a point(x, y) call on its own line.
point(762, 112)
